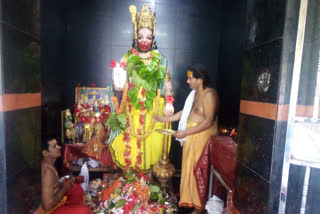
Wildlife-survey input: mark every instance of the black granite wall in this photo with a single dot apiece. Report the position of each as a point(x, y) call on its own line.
point(3, 181)
point(270, 47)
point(21, 128)
point(53, 72)
point(264, 43)
point(231, 50)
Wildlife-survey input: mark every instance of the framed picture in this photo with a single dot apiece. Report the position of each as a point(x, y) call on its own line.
point(88, 95)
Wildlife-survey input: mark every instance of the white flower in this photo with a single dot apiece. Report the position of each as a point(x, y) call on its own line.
point(119, 76)
point(105, 204)
point(117, 210)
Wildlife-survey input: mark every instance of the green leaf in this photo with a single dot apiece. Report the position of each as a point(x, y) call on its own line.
point(117, 121)
point(130, 68)
point(112, 205)
point(148, 103)
point(132, 93)
point(134, 209)
point(161, 74)
point(128, 54)
point(138, 81)
point(151, 94)
point(156, 56)
point(116, 191)
point(161, 200)
point(122, 120)
point(131, 179)
point(128, 174)
point(153, 197)
point(154, 188)
point(137, 104)
point(143, 73)
point(134, 59)
point(148, 76)
point(112, 122)
point(120, 203)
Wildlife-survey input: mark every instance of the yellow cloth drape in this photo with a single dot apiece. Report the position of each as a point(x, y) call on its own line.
point(152, 146)
point(192, 150)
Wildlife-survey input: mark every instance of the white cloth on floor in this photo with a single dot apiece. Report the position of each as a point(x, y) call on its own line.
point(85, 173)
point(214, 205)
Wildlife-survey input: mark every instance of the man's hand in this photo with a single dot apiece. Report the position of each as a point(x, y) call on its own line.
point(67, 183)
point(158, 118)
point(180, 134)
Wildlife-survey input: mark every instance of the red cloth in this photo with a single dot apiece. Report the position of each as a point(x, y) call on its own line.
point(74, 203)
point(75, 195)
point(223, 157)
point(201, 172)
point(221, 153)
point(73, 209)
point(73, 152)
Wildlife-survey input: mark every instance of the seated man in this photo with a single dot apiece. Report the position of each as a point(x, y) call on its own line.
point(64, 197)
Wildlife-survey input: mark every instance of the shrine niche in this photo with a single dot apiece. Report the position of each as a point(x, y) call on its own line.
point(112, 129)
point(85, 132)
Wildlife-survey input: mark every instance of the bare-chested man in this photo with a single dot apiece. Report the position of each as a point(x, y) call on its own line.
point(197, 124)
point(53, 192)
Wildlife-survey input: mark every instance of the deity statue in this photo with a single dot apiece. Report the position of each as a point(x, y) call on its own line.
point(96, 112)
point(144, 79)
point(87, 132)
point(72, 131)
point(95, 146)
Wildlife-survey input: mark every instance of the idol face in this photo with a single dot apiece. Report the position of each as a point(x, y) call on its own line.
point(145, 39)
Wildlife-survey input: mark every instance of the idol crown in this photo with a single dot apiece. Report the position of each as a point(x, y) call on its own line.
point(144, 18)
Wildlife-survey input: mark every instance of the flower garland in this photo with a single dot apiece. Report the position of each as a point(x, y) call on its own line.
point(127, 151)
point(85, 113)
point(141, 119)
point(139, 136)
point(139, 156)
point(139, 130)
point(123, 100)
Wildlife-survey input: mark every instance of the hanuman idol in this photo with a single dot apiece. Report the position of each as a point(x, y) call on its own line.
point(143, 77)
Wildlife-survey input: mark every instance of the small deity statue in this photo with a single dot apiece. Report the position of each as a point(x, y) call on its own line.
point(95, 146)
point(71, 130)
point(96, 112)
point(87, 132)
point(101, 103)
point(94, 98)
